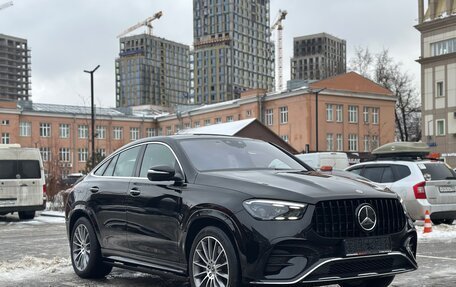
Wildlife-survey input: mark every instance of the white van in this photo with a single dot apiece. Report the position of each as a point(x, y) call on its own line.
point(22, 183)
point(337, 160)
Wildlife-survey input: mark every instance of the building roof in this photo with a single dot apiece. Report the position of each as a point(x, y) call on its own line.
point(229, 129)
point(352, 82)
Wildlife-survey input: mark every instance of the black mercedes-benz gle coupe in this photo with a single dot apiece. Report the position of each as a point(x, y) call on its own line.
point(229, 211)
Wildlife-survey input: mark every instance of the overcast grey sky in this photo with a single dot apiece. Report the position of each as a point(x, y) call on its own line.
point(67, 37)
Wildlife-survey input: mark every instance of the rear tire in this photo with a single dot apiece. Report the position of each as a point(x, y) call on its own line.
point(26, 215)
point(85, 251)
point(376, 282)
point(213, 260)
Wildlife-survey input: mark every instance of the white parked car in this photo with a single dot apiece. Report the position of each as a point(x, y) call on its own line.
point(337, 160)
point(22, 183)
point(422, 184)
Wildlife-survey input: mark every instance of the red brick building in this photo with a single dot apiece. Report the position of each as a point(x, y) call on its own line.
point(354, 115)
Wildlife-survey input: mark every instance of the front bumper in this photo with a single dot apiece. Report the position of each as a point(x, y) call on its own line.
point(290, 252)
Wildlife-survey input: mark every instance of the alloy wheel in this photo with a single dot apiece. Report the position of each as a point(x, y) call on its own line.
point(210, 264)
point(81, 247)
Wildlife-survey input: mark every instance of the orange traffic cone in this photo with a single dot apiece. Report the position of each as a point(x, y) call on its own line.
point(427, 222)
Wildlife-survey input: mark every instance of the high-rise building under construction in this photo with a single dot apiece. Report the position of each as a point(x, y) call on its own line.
point(233, 51)
point(15, 70)
point(152, 71)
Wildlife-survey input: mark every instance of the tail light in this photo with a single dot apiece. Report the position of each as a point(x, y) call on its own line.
point(44, 190)
point(419, 190)
point(326, 168)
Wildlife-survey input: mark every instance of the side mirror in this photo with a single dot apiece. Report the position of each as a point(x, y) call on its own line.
point(161, 173)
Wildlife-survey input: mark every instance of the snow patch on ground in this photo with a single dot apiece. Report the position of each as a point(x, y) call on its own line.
point(31, 267)
point(38, 220)
point(442, 232)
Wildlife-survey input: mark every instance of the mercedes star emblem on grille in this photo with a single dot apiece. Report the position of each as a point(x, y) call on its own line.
point(367, 218)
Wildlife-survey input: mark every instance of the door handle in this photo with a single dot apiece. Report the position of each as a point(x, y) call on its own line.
point(24, 185)
point(94, 189)
point(135, 191)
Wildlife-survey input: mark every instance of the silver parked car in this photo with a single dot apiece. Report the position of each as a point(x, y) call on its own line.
point(422, 184)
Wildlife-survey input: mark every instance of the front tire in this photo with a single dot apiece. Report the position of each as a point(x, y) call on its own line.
point(85, 251)
point(213, 260)
point(26, 215)
point(375, 282)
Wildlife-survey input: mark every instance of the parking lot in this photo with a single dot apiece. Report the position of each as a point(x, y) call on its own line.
point(36, 253)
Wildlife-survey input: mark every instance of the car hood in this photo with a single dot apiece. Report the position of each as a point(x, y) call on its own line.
point(310, 187)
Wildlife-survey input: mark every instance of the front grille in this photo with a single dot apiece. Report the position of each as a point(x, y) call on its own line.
point(354, 267)
point(337, 218)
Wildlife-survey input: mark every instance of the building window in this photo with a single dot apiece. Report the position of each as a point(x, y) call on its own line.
point(25, 129)
point(329, 142)
point(196, 124)
point(352, 142)
point(207, 122)
point(5, 122)
point(83, 131)
point(269, 117)
point(229, 119)
point(169, 131)
point(101, 132)
point(45, 130)
point(374, 142)
point(352, 114)
point(440, 127)
point(366, 143)
point(284, 138)
point(340, 142)
point(443, 47)
point(64, 131)
point(329, 113)
point(375, 113)
point(64, 154)
point(187, 125)
point(118, 133)
point(339, 113)
point(5, 138)
point(101, 152)
point(134, 134)
point(45, 153)
point(249, 113)
point(83, 153)
point(150, 132)
point(283, 115)
point(366, 115)
point(218, 120)
point(440, 89)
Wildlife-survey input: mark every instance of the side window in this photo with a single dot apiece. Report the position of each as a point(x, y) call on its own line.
point(126, 162)
point(356, 170)
point(388, 175)
point(156, 155)
point(102, 168)
point(110, 169)
point(402, 171)
point(373, 173)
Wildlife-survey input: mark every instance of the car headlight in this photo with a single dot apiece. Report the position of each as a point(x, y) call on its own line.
point(263, 209)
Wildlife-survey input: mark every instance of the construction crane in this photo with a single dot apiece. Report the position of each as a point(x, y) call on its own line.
point(147, 23)
point(6, 5)
point(279, 49)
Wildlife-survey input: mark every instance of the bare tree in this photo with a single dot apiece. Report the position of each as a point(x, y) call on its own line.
point(383, 70)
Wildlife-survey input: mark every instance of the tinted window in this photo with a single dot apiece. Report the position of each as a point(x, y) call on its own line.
point(156, 155)
point(22, 169)
point(388, 175)
point(402, 171)
point(126, 162)
point(373, 173)
point(102, 168)
point(110, 169)
point(356, 170)
point(223, 154)
point(437, 171)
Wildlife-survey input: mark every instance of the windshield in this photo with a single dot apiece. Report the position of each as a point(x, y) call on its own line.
point(224, 154)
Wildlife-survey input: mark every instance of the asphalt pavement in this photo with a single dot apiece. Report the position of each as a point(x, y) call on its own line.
point(36, 253)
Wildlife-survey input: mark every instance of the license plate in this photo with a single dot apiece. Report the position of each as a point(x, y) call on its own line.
point(447, 189)
point(367, 246)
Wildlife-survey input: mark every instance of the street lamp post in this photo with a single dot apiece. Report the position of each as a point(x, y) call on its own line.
point(93, 112)
point(316, 116)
